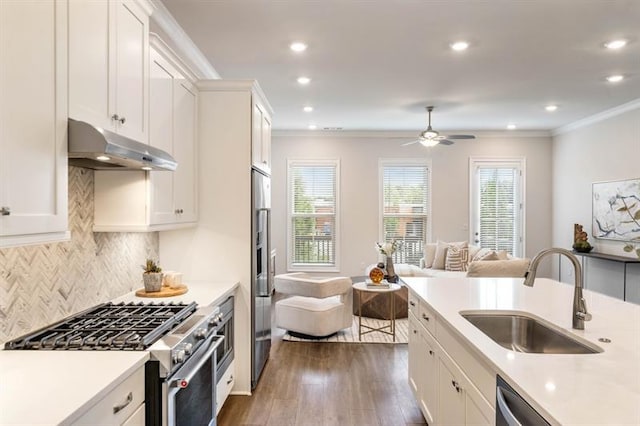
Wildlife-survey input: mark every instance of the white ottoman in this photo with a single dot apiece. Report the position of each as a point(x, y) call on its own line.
point(310, 316)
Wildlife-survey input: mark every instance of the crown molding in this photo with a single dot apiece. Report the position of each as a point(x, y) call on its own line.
point(404, 134)
point(601, 116)
point(183, 43)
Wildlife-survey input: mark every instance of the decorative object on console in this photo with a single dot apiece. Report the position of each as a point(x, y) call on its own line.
point(580, 237)
point(376, 275)
point(388, 249)
point(152, 276)
point(616, 210)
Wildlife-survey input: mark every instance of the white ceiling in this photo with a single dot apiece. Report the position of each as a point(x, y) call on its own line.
point(375, 64)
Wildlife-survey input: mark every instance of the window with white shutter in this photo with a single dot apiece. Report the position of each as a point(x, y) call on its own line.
point(406, 209)
point(312, 188)
point(497, 204)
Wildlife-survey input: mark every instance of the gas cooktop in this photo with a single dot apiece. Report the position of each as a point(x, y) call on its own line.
point(120, 326)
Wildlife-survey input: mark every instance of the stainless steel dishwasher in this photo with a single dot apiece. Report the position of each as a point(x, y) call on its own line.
point(512, 409)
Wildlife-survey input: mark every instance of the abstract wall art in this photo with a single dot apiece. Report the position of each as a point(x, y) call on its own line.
point(616, 210)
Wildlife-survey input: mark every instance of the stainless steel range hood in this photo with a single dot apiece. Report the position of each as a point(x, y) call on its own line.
point(99, 149)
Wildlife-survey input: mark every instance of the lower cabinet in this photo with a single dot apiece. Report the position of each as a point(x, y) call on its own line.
point(224, 386)
point(445, 394)
point(124, 405)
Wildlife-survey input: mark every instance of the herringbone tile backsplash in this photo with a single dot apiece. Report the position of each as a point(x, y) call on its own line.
point(43, 284)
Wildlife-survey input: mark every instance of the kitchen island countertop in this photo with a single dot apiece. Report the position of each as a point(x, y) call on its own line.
point(601, 388)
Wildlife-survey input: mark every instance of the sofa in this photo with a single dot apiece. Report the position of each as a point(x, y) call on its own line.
point(459, 259)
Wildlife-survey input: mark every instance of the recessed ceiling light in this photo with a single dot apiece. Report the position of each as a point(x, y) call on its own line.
point(511, 126)
point(551, 108)
point(615, 44)
point(615, 78)
point(147, 168)
point(307, 109)
point(312, 127)
point(304, 80)
point(298, 46)
point(459, 46)
point(103, 158)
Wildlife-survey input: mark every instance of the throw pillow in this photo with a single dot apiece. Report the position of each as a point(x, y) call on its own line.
point(473, 250)
point(485, 254)
point(429, 254)
point(502, 255)
point(440, 255)
point(457, 258)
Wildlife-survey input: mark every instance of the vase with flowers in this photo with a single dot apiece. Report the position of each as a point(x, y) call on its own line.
point(387, 249)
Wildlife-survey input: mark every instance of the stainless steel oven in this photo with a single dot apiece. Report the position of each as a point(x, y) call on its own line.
point(225, 328)
point(181, 382)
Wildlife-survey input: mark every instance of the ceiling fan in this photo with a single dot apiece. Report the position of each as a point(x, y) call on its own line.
point(431, 137)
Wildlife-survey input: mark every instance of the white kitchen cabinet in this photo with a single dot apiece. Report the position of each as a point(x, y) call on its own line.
point(33, 107)
point(173, 120)
point(123, 405)
point(446, 394)
point(261, 137)
point(109, 65)
point(224, 386)
point(137, 201)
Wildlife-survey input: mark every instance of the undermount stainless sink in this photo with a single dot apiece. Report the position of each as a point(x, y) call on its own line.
point(521, 332)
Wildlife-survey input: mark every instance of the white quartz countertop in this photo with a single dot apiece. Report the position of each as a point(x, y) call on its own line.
point(602, 388)
point(55, 387)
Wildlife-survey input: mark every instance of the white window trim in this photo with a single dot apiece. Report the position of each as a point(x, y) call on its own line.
point(382, 163)
point(519, 162)
point(308, 267)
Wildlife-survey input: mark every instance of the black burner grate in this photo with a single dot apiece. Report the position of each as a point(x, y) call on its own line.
point(120, 326)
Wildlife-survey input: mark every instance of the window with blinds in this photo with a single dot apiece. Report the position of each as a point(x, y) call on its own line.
point(405, 208)
point(313, 220)
point(497, 207)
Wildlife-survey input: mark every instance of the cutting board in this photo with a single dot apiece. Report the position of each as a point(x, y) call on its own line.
point(164, 292)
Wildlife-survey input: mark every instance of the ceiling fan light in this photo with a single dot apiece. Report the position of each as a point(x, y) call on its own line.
point(429, 142)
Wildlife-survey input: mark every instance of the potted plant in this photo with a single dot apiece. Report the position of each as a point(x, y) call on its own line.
point(152, 276)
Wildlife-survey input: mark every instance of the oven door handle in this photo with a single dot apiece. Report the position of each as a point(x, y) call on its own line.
point(178, 382)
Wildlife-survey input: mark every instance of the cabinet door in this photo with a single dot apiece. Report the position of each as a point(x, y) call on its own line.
point(137, 418)
point(266, 142)
point(428, 399)
point(256, 136)
point(132, 52)
point(161, 83)
point(184, 150)
point(33, 88)
point(414, 356)
point(92, 62)
point(451, 401)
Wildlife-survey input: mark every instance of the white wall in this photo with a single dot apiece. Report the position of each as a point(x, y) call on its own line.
point(608, 149)
point(450, 184)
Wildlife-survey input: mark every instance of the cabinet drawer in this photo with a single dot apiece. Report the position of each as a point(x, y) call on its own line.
point(137, 418)
point(225, 384)
point(414, 304)
point(119, 404)
point(427, 317)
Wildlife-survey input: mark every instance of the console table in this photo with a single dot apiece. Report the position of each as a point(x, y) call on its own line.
point(622, 260)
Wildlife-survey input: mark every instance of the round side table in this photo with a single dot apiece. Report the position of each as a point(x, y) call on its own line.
point(389, 329)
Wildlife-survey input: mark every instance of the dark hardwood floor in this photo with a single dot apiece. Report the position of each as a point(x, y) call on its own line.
point(328, 384)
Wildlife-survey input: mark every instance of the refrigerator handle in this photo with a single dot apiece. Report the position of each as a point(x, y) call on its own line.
point(271, 269)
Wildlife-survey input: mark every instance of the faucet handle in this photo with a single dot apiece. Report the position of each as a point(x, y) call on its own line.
point(584, 314)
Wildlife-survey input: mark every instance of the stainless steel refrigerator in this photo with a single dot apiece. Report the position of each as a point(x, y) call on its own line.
point(261, 274)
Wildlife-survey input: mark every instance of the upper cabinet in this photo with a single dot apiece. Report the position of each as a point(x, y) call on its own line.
point(172, 119)
point(33, 111)
point(261, 137)
point(109, 65)
point(132, 201)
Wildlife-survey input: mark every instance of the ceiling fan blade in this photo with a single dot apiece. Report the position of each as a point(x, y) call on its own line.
point(411, 143)
point(460, 137)
point(446, 142)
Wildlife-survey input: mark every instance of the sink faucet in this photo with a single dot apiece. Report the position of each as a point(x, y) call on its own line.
point(580, 314)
